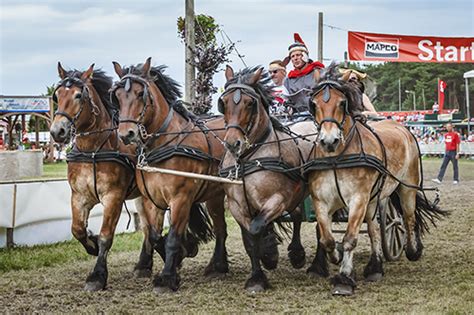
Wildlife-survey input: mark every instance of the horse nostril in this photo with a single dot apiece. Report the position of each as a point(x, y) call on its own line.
point(131, 134)
point(336, 141)
point(323, 142)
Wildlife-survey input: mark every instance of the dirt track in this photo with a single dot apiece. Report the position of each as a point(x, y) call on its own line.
point(442, 281)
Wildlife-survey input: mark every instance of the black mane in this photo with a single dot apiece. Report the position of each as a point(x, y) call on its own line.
point(170, 89)
point(263, 87)
point(350, 90)
point(101, 83)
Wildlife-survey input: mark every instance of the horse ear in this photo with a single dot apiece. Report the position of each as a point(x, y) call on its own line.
point(88, 73)
point(286, 61)
point(61, 71)
point(229, 73)
point(146, 67)
point(118, 69)
point(256, 76)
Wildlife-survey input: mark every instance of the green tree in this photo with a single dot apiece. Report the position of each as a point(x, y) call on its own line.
point(207, 58)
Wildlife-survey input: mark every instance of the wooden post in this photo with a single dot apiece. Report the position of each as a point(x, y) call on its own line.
point(10, 133)
point(320, 37)
point(190, 46)
point(10, 241)
point(50, 157)
point(37, 132)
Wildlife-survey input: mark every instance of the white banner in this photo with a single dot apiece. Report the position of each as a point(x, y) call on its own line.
point(24, 104)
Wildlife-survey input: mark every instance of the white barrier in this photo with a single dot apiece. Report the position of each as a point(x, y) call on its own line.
point(466, 148)
point(40, 213)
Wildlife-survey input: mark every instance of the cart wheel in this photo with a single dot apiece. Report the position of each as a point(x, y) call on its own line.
point(392, 231)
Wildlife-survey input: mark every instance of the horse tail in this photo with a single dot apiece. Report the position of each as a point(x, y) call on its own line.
point(427, 212)
point(200, 224)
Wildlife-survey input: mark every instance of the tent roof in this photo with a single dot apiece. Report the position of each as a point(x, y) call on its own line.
point(469, 74)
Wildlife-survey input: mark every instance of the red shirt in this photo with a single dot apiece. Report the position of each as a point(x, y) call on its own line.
point(452, 140)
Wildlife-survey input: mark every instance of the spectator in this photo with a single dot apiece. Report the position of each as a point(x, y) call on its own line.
point(277, 70)
point(452, 140)
point(300, 80)
point(435, 108)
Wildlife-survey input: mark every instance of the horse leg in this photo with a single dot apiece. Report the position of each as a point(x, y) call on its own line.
point(258, 281)
point(81, 207)
point(374, 269)
point(97, 279)
point(151, 223)
point(296, 252)
point(414, 247)
point(219, 263)
point(169, 279)
point(319, 266)
point(344, 282)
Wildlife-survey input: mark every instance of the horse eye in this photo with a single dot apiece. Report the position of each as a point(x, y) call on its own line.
point(140, 94)
point(78, 96)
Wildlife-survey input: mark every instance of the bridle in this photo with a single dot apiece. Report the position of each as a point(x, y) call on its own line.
point(126, 83)
point(325, 86)
point(239, 89)
point(85, 96)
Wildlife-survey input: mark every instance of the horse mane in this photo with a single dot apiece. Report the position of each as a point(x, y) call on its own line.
point(102, 84)
point(350, 89)
point(170, 89)
point(263, 87)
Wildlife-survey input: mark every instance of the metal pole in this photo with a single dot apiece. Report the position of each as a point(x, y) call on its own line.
point(399, 95)
point(467, 105)
point(320, 37)
point(190, 46)
point(346, 60)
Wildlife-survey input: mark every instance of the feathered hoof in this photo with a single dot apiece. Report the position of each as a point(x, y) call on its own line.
point(94, 286)
point(343, 290)
point(257, 283)
point(297, 258)
point(374, 277)
point(142, 273)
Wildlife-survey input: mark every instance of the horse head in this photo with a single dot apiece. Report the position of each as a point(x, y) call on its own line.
point(144, 95)
point(243, 103)
point(333, 102)
point(79, 96)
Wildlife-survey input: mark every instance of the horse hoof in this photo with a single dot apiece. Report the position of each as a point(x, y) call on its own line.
point(343, 290)
point(297, 260)
point(374, 277)
point(94, 286)
point(142, 273)
point(316, 274)
point(214, 271)
point(255, 288)
point(162, 290)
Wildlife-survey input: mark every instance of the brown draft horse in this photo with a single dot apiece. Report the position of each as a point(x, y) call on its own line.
point(170, 137)
point(99, 170)
point(354, 167)
point(268, 157)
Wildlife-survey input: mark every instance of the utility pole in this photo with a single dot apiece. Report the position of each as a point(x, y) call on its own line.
point(190, 46)
point(399, 95)
point(320, 37)
point(424, 100)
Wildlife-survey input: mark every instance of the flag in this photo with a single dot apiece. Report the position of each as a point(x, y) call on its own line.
point(441, 88)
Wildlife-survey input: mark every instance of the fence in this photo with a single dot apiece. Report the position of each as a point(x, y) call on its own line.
point(39, 212)
point(466, 148)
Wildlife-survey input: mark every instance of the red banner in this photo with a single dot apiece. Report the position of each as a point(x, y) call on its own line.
point(401, 48)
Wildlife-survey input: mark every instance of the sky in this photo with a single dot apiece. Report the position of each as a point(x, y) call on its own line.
point(36, 34)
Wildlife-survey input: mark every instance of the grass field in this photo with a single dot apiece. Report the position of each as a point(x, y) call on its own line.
point(50, 278)
point(55, 170)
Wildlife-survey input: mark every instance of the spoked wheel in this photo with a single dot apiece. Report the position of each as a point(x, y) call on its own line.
point(392, 231)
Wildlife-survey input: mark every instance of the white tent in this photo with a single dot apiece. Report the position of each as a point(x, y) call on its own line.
point(468, 75)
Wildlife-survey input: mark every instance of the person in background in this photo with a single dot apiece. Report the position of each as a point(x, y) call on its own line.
point(301, 79)
point(435, 108)
point(356, 77)
point(452, 141)
point(277, 70)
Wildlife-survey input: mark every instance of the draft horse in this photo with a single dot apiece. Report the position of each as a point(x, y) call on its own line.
point(100, 167)
point(171, 137)
point(267, 156)
point(356, 165)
